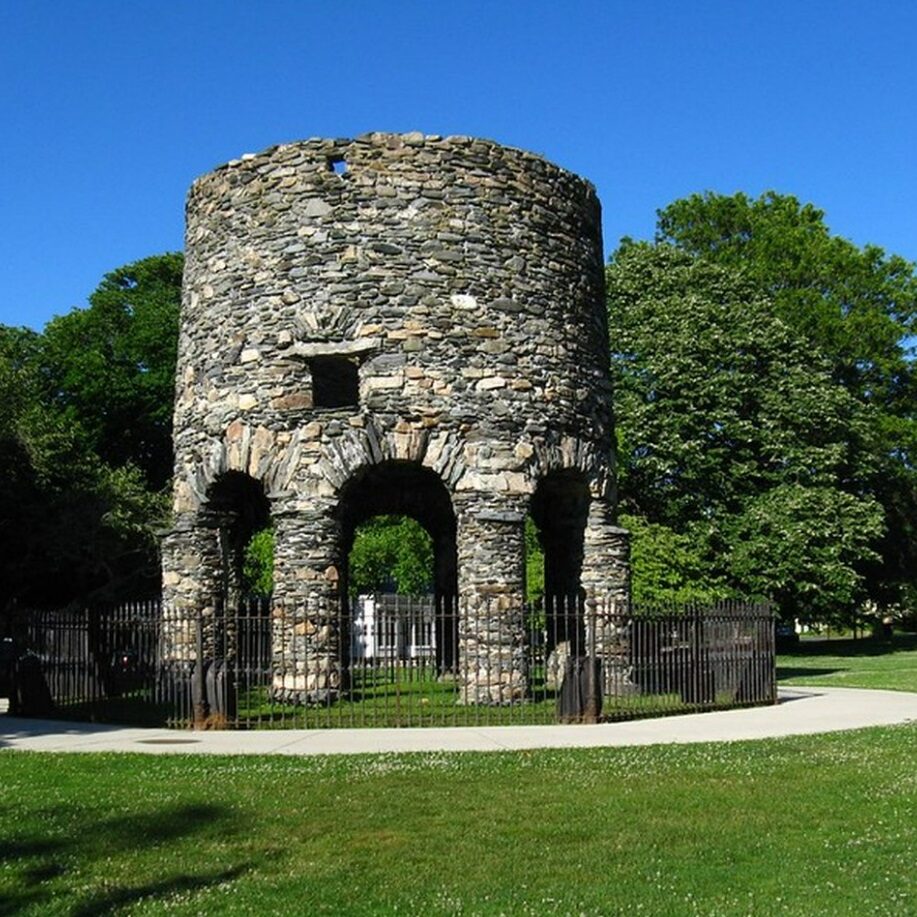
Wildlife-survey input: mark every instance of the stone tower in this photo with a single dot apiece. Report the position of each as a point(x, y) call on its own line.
point(394, 324)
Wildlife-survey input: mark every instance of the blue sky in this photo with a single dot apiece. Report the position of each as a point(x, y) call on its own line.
point(110, 109)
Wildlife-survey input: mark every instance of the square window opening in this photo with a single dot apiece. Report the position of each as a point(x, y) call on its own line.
point(337, 164)
point(335, 382)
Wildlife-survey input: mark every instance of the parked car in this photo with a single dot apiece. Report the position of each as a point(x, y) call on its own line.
point(8, 654)
point(785, 634)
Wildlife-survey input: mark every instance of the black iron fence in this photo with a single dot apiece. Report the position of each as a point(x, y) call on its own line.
point(392, 661)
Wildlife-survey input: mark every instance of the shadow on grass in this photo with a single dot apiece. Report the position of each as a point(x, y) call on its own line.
point(41, 866)
point(122, 897)
point(785, 672)
point(850, 648)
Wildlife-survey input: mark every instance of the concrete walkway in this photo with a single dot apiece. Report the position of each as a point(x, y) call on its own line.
point(801, 711)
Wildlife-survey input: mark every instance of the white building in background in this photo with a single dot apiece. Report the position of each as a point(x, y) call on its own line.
point(393, 627)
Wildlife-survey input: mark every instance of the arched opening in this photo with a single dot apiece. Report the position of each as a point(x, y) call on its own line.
point(389, 492)
point(559, 510)
point(239, 509)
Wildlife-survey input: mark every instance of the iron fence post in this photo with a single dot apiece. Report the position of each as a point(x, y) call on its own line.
point(591, 710)
point(201, 707)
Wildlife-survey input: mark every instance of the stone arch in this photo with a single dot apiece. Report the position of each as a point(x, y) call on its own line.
point(252, 451)
point(355, 450)
point(571, 454)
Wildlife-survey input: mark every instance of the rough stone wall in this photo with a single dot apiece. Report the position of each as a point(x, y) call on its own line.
point(464, 281)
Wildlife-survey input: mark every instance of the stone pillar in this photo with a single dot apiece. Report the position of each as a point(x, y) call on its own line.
point(193, 575)
point(310, 635)
point(491, 631)
point(606, 555)
point(606, 581)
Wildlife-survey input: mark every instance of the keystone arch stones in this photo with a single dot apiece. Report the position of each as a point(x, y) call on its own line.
point(394, 323)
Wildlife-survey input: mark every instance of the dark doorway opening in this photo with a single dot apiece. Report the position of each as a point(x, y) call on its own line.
point(559, 509)
point(238, 508)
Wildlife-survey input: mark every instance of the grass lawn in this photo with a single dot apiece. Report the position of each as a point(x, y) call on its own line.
point(810, 825)
point(805, 825)
point(864, 663)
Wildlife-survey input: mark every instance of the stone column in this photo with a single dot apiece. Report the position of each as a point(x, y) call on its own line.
point(606, 555)
point(491, 631)
point(606, 581)
point(193, 575)
point(310, 633)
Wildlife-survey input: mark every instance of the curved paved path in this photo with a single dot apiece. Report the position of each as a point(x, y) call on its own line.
point(801, 711)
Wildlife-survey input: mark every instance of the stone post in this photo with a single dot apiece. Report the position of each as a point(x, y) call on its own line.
point(606, 581)
point(491, 555)
point(310, 634)
point(192, 563)
point(606, 554)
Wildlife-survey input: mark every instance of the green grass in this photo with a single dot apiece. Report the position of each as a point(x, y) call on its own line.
point(383, 699)
point(388, 697)
point(805, 825)
point(864, 663)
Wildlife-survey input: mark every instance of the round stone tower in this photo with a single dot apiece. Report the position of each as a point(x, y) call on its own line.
point(395, 324)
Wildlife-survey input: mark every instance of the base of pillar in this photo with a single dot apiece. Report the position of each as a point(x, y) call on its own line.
point(510, 688)
point(316, 688)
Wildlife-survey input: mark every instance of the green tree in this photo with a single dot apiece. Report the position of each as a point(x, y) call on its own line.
point(110, 368)
point(85, 440)
point(855, 306)
point(720, 405)
point(70, 525)
point(391, 554)
point(800, 546)
point(667, 567)
point(534, 563)
point(258, 563)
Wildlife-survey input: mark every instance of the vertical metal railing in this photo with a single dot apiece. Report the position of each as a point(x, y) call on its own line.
point(398, 661)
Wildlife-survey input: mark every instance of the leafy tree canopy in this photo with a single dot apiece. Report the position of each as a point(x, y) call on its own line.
point(534, 562)
point(720, 405)
point(70, 524)
point(857, 307)
point(110, 368)
point(258, 563)
point(85, 440)
point(667, 567)
point(391, 554)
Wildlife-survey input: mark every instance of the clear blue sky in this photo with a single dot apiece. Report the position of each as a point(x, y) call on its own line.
point(110, 109)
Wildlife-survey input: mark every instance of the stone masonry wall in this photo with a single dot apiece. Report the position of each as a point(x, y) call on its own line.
point(463, 282)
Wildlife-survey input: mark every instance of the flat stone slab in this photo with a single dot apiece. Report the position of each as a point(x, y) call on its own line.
point(801, 711)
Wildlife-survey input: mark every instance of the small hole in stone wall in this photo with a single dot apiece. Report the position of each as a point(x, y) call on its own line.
point(337, 164)
point(335, 382)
